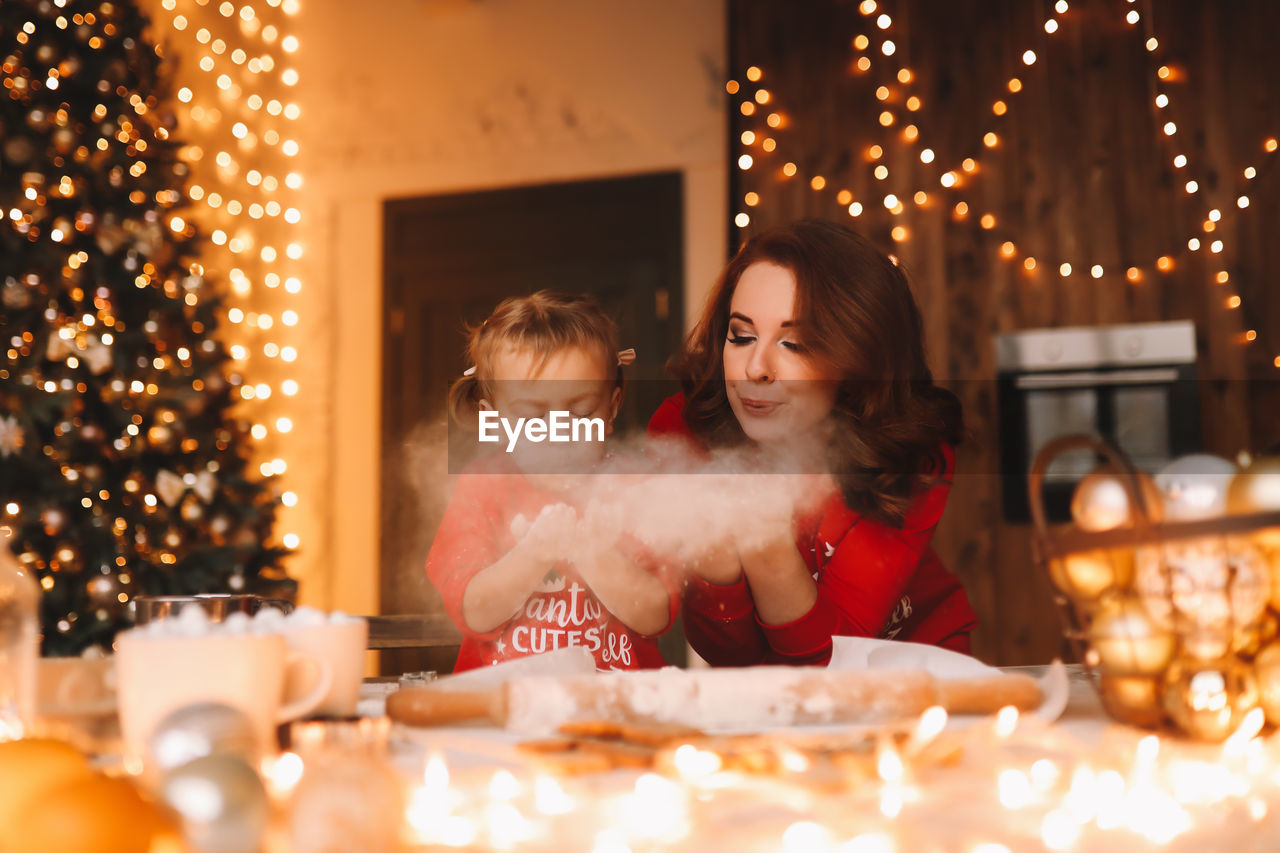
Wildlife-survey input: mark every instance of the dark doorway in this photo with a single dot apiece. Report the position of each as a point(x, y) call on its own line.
point(448, 260)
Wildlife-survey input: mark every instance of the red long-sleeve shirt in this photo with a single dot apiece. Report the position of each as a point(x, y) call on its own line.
point(561, 611)
point(873, 581)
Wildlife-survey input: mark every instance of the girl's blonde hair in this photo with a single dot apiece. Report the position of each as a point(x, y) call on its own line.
point(545, 322)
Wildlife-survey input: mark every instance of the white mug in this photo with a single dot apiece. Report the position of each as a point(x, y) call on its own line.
point(256, 673)
point(342, 643)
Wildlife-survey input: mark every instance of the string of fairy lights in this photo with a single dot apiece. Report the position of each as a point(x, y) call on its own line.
point(899, 104)
point(239, 121)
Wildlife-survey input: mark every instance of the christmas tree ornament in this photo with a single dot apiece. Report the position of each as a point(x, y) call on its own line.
point(67, 559)
point(199, 730)
point(1203, 582)
point(1086, 575)
point(1250, 640)
point(110, 237)
point(1266, 670)
point(53, 520)
point(97, 356)
point(221, 801)
point(64, 140)
point(1101, 500)
point(1195, 487)
point(1272, 558)
point(1205, 642)
point(160, 437)
point(1127, 640)
point(1208, 700)
point(1249, 579)
point(169, 487)
point(12, 436)
point(1257, 489)
point(15, 294)
point(104, 591)
point(191, 509)
point(1134, 699)
point(18, 149)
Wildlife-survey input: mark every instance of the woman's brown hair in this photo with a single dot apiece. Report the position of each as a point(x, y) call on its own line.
point(545, 323)
point(855, 315)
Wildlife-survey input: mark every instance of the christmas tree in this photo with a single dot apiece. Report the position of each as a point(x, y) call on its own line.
point(123, 471)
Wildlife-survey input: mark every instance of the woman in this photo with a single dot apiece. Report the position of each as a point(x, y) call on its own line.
point(811, 346)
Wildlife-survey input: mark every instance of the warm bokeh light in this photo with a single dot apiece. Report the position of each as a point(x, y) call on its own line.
point(244, 85)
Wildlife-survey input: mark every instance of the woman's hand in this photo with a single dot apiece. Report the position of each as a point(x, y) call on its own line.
point(636, 597)
point(781, 584)
point(716, 563)
point(763, 514)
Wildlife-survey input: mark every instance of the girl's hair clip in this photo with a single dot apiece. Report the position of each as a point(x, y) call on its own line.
point(626, 356)
point(470, 371)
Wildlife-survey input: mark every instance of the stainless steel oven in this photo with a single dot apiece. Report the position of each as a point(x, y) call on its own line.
point(1133, 385)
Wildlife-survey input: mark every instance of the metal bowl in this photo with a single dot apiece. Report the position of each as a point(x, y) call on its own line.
point(217, 606)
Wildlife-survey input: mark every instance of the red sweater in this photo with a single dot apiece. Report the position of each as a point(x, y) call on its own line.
point(562, 611)
point(873, 581)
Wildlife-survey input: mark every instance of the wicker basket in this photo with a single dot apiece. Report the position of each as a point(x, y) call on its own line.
point(1168, 617)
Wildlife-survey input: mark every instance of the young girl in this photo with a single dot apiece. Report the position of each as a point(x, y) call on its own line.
point(522, 565)
point(811, 348)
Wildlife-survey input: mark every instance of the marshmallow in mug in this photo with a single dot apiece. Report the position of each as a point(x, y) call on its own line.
point(192, 621)
point(339, 639)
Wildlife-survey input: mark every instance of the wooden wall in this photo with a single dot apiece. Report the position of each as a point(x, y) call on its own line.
point(1082, 173)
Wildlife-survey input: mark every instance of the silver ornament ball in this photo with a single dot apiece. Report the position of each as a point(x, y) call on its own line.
point(222, 803)
point(1195, 486)
point(199, 730)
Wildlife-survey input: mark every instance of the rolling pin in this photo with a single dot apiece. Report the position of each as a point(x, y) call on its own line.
point(719, 699)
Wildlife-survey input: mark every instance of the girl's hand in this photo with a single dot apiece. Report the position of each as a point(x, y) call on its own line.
point(599, 529)
point(549, 538)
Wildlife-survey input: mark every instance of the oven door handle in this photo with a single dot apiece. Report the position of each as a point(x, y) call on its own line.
point(1087, 378)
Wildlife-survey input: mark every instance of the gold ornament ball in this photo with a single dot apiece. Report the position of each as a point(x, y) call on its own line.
point(1085, 575)
point(1272, 558)
point(1133, 699)
point(1251, 583)
point(191, 510)
point(1257, 489)
point(1128, 641)
point(1208, 700)
point(1251, 639)
point(1101, 500)
point(1266, 669)
point(1206, 642)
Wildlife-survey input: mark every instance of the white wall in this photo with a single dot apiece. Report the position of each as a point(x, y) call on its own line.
point(413, 97)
